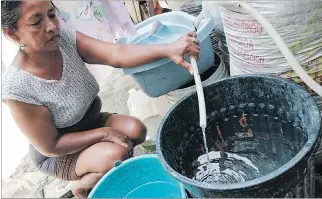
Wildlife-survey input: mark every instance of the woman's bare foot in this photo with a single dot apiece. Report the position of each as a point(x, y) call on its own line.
point(83, 187)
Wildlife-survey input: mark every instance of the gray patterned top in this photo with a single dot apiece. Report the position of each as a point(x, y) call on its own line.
point(67, 99)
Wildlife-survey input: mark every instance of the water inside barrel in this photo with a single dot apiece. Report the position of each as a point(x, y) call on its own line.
point(248, 150)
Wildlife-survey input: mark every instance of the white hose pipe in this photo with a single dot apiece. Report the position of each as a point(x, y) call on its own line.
point(201, 97)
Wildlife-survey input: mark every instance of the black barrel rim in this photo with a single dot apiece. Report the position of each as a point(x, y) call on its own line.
point(312, 139)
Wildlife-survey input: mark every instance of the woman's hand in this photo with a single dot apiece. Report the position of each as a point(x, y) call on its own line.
point(178, 49)
point(115, 136)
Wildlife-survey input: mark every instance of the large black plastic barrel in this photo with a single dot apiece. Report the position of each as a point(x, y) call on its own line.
point(285, 131)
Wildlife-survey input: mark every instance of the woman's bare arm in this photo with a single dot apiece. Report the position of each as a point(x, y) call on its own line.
point(36, 123)
point(94, 51)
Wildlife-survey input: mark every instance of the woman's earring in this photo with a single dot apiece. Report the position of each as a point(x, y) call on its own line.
point(21, 46)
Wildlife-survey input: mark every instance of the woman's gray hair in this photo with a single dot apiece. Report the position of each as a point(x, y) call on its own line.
point(10, 13)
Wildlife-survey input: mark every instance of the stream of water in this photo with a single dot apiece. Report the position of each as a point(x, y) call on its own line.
point(205, 144)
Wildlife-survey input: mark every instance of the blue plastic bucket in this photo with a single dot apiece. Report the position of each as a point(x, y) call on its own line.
point(163, 76)
point(138, 177)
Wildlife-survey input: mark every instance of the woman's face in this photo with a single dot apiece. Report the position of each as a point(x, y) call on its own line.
point(38, 26)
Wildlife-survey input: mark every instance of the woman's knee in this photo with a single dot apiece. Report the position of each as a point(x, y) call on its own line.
point(130, 126)
point(137, 130)
point(109, 154)
point(100, 158)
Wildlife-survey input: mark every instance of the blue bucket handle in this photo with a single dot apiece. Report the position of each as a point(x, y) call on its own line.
point(117, 163)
